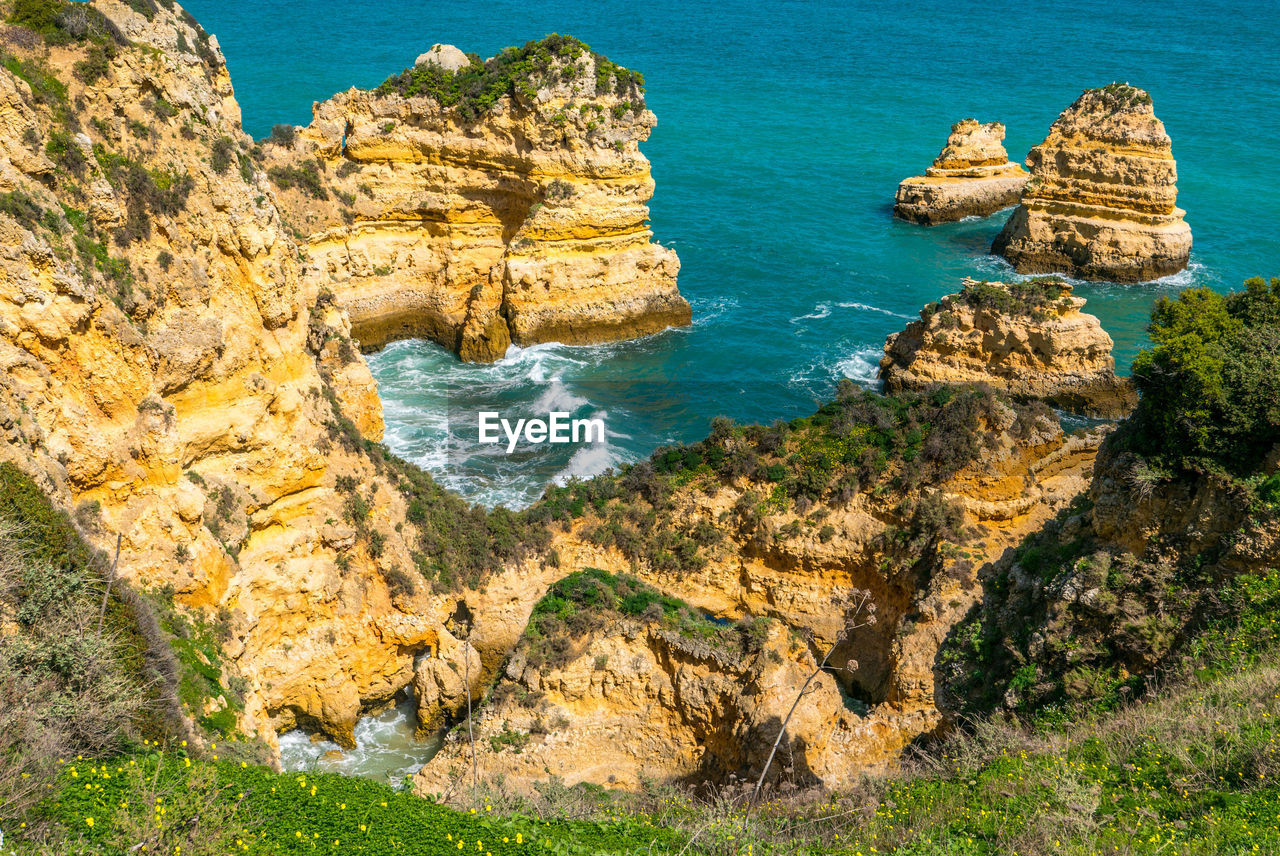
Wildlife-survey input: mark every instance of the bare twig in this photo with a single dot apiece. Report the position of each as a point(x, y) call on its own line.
point(102, 613)
point(471, 737)
point(860, 601)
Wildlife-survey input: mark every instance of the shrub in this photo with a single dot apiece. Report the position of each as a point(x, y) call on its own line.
point(587, 601)
point(96, 64)
point(22, 208)
point(284, 135)
point(305, 177)
point(62, 22)
point(1211, 382)
point(66, 686)
point(148, 192)
point(476, 88)
point(1030, 297)
point(66, 153)
point(223, 155)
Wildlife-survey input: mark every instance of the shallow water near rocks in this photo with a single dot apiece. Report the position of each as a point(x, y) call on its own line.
point(386, 748)
point(782, 134)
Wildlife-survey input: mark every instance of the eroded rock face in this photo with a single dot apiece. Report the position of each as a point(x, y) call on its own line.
point(627, 705)
point(1100, 202)
point(170, 373)
point(971, 177)
point(446, 677)
point(642, 702)
point(1028, 339)
point(527, 224)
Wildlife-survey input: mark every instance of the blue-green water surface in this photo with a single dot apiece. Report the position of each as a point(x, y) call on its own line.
point(783, 129)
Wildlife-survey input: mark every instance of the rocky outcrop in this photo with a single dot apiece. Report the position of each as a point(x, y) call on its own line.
point(642, 702)
point(1100, 202)
point(638, 708)
point(478, 227)
point(971, 177)
point(1114, 593)
point(447, 677)
point(1029, 339)
point(171, 376)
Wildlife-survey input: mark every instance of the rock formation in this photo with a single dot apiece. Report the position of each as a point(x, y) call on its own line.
point(479, 226)
point(1029, 339)
point(642, 702)
point(971, 177)
point(169, 374)
point(1100, 202)
point(789, 562)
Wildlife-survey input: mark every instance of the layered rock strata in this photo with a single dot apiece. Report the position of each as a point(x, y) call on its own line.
point(642, 702)
point(1030, 340)
point(170, 376)
point(1101, 200)
point(644, 708)
point(971, 177)
point(525, 224)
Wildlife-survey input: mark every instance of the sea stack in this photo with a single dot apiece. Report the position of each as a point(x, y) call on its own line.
point(1100, 202)
point(1028, 339)
point(972, 177)
point(482, 204)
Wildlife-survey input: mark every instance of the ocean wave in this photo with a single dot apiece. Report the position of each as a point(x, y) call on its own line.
point(822, 310)
point(867, 307)
point(387, 748)
point(862, 366)
point(1194, 273)
point(591, 460)
point(557, 397)
point(704, 312)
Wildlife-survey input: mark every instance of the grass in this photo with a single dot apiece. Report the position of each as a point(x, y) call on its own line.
point(175, 805)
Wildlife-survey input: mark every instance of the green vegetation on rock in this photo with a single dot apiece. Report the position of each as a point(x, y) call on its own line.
point(589, 600)
point(1028, 297)
point(1211, 384)
point(476, 88)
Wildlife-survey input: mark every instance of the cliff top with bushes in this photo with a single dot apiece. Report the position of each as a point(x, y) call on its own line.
point(517, 71)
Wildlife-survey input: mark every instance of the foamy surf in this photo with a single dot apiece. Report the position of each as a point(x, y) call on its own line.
point(387, 748)
point(867, 307)
point(998, 269)
point(862, 367)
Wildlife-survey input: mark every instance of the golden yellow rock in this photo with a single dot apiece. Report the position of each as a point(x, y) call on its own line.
point(634, 701)
point(526, 224)
point(971, 177)
point(169, 375)
point(1029, 339)
point(1100, 202)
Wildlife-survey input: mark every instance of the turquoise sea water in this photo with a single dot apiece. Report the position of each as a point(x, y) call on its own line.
point(783, 129)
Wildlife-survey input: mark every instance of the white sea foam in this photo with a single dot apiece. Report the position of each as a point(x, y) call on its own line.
point(862, 366)
point(866, 307)
point(1194, 273)
point(822, 310)
point(387, 748)
point(704, 312)
point(591, 460)
point(556, 397)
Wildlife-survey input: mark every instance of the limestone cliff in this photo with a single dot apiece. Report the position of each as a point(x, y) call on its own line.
point(759, 522)
point(971, 177)
point(171, 376)
point(1100, 202)
point(1029, 339)
point(639, 701)
point(516, 218)
point(1113, 591)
